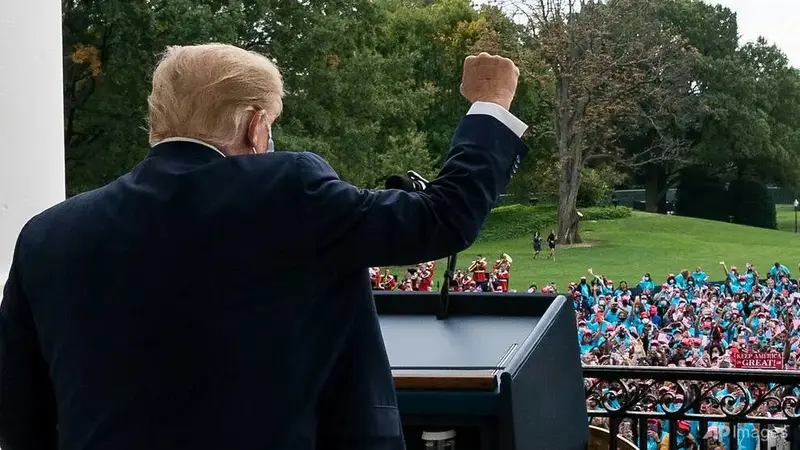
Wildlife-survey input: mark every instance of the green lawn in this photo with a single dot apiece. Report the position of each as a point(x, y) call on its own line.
point(626, 248)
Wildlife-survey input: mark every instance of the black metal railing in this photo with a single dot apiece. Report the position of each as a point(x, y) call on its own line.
point(727, 409)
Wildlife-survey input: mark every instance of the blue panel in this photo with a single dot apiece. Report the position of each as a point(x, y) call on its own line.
point(448, 403)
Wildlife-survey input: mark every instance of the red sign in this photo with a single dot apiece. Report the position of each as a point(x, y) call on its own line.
point(760, 360)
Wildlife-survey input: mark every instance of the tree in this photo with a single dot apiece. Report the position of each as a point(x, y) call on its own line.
point(711, 33)
point(110, 47)
point(744, 105)
point(344, 99)
point(371, 86)
point(606, 60)
point(439, 35)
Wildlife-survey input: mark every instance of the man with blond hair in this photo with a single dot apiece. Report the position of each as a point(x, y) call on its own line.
point(190, 303)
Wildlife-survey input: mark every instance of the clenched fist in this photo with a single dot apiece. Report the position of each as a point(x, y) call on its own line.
point(489, 78)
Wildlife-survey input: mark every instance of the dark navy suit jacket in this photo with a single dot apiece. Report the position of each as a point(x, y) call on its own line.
point(203, 302)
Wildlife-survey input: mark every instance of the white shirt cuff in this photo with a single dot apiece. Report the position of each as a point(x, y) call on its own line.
point(501, 114)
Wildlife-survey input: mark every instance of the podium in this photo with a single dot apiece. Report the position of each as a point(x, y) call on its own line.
point(503, 370)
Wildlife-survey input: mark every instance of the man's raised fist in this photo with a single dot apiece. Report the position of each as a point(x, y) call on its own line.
point(489, 78)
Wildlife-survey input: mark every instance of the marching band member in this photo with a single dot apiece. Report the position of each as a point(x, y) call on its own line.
point(426, 278)
point(471, 286)
point(467, 283)
point(503, 278)
point(375, 276)
point(478, 269)
point(493, 284)
point(406, 285)
point(389, 281)
point(504, 261)
point(502, 269)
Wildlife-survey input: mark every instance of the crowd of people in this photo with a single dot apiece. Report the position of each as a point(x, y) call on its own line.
point(684, 320)
point(478, 277)
point(688, 322)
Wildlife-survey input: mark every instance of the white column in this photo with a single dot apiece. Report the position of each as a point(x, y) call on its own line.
point(31, 116)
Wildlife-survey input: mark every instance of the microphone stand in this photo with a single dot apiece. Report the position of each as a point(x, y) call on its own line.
point(419, 183)
point(444, 299)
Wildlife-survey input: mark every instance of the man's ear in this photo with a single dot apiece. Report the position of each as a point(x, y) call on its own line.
point(256, 122)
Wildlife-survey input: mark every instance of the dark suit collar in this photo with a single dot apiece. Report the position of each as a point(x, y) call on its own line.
point(183, 148)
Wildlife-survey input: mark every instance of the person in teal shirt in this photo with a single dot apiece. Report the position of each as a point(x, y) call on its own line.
point(587, 342)
point(646, 284)
point(682, 278)
point(585, 290)
point(691, 289)
point(608, 287)
point(750, 276)
point(700, 277)
point(779, 270)
point(598, 323)
point(622, 290)
point(740, 285)
point(612, 314)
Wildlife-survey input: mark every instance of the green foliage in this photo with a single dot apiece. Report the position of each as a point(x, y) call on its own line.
point(751, 204)
point(596, 185)
point(701, 195)
point(515, 221)
point(606, 213)
point(373, 86)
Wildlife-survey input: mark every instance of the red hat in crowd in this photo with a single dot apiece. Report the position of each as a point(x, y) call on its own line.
point(683, 425)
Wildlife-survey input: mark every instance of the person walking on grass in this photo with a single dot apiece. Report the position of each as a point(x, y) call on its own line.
point(551, 243)
point(537, 244)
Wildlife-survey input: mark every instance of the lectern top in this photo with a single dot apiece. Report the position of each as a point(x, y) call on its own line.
point(462, 353)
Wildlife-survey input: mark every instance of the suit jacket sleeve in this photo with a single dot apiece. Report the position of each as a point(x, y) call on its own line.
point(359, 228)
point(27, 404)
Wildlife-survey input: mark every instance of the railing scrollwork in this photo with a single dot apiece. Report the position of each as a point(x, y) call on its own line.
point(635, 397)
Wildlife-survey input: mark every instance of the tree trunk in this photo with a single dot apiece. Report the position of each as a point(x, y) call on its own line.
point(569, 139)
point(568, 184)
point(655, 189)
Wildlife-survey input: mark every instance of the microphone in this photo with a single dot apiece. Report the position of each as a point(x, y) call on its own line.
point(420, 183)
point(415, 182)
point(400, 182)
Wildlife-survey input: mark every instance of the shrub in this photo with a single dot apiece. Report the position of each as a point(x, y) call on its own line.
point(751, 204)
point(701, 195)
point(521, 221)
point(516, 221)
point(595, 187)
point(606, 213)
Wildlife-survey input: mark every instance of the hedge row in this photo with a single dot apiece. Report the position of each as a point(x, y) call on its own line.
point(516, 221)
point(744, 201)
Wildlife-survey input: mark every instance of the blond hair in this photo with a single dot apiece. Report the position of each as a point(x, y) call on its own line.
point(207, 92)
